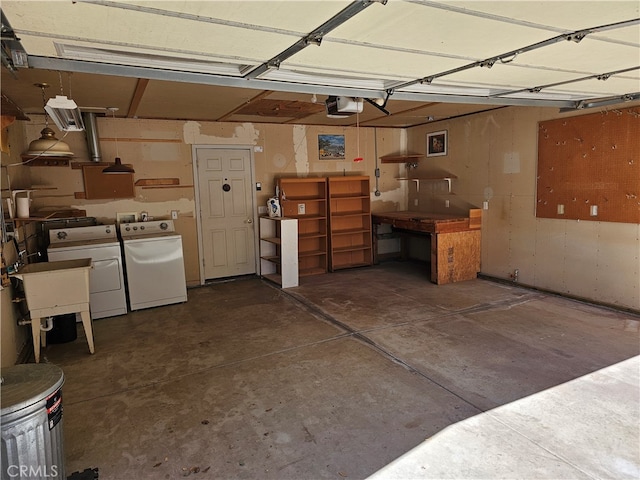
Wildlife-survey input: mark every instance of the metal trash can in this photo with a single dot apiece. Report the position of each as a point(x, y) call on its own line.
point(32, 433)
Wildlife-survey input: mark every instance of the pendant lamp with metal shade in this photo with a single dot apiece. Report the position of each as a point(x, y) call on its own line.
point(47, 144)
point(117, 168)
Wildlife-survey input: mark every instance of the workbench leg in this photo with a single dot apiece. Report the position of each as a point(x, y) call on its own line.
point(374, 242)
point(35, 332)
point(434, 258)
point(88, 329)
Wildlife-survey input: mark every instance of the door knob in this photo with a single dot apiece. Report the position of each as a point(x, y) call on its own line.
point(249, 220)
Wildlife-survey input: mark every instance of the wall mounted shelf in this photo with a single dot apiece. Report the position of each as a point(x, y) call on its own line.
point(146, 183)
point(79, 165)
point(45, 161)
point(146, 187)
point(447, 179)
point(155, 182)
point(401, 158)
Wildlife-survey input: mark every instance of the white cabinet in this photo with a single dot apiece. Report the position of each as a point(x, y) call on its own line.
point(279, 250)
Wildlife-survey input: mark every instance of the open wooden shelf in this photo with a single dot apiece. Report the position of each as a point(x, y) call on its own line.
point(429, 177)
point(46, 161)
point(401, 158)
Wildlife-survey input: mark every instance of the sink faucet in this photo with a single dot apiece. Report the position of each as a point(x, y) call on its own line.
point(23, 257)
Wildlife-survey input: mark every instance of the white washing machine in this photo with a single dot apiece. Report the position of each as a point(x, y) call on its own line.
point(106, 279)
point(154, 264)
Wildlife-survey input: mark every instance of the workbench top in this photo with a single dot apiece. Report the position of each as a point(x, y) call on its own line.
point(430, 222)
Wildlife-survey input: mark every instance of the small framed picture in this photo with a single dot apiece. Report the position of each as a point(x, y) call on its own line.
point(331, 147)
point(437, 144)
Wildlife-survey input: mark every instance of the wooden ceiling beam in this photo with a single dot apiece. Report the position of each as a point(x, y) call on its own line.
point(141, 86)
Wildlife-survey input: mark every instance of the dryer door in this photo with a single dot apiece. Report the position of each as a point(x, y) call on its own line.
point(105, 276)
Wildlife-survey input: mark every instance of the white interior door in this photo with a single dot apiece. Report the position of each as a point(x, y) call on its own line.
point(226, 212)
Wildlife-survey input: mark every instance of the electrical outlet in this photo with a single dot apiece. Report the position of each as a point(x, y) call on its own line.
point(560, 209)
point(302, 208)
point(174, 214)
point(594, 210)
point(485, 205)
point(446, 203)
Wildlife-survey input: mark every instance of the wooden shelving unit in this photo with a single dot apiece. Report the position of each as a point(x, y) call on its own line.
point(305, 199)
point(350, 222)
point(279, 250)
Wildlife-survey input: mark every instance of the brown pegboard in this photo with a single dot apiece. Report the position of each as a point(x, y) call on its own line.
point(590, 160)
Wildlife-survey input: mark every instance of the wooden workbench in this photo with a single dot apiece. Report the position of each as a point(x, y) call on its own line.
point(455, 241)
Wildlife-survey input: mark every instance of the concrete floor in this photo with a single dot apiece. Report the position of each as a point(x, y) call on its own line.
point(343, 375)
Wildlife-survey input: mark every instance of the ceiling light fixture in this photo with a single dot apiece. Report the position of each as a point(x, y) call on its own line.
point(117, 168)
point(47, 144)
point(65, 114)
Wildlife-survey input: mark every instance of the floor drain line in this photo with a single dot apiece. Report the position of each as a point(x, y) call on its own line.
point(313, 308)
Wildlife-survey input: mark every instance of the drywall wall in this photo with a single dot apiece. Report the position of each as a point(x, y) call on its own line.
point(163, 149)
point(494, 156)
point(12, 336)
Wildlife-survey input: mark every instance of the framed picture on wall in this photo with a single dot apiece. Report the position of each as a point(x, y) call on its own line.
point(331, 147)
point(437, 144)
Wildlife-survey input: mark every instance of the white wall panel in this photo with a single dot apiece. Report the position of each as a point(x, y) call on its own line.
point(613, 281)
point(581, 258)
point(550, 260)
point(598, 261)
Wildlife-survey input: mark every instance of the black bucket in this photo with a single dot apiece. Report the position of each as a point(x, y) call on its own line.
point(64, 329)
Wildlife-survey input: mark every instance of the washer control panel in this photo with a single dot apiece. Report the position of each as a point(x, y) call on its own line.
point(82, 234)
point(146, 228)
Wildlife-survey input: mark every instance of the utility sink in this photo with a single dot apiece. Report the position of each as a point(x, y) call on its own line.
point(56, 288)
point(51, 286)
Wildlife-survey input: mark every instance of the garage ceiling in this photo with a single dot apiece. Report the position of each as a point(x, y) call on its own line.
point(277, 61)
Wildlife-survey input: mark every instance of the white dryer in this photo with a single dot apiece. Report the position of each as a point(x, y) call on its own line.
point(106, 279)
point(154, 264)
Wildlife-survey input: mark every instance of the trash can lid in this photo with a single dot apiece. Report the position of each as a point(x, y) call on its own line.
point(27, 384)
